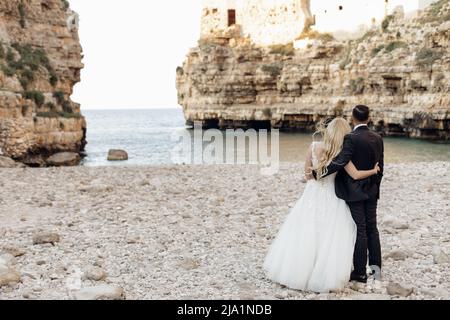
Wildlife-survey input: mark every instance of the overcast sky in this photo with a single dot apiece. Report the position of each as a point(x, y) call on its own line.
point(132, 48)
point(131, 51)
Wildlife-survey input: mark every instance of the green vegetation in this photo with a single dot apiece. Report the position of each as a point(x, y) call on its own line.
point(433, 13)
point(2, 52)
point(376, 50)
point(65, 4)
point(22, 15)
point(8, 71)
point(321, 36)
point(347, 58)
point(436, 7)
point(180, 71)
point(273, 70)
point(427, 56)
point(33, 58)
point(67, 107)
point(283, 49)
point(56, 114)
point(59, 96)
point(25, 63)
point(10, 56)
point(357, 86)
point(61, 100)
point(53, 79)
point(394, 45)
point(36, 96)
point(51, 106)
point(386, 22)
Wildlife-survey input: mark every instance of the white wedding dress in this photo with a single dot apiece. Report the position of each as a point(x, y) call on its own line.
point(313, 251)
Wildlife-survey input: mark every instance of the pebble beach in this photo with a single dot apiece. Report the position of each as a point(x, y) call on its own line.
point(199, 232)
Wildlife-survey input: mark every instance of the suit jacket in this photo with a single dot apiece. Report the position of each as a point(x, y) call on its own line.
point(364, 148)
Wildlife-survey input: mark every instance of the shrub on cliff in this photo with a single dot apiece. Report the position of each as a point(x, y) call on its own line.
point(22, 14)
point(272, 69)
point(29, 61)
point(8, 71)
point(357, 86)
point(394, 45)
point(427, 56)
point(67, 108)
point(33, 58)
point(36, 96)
point(376, 50)
point(65, 4)
point(386, 22)
point(59, 96)
point(434, 13)
point(53, 79)
point(283, 49)
point(56, 114)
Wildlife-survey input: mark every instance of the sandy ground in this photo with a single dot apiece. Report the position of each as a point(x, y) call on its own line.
point(199, 232)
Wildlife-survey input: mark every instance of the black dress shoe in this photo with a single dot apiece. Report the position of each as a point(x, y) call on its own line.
point(358, 278)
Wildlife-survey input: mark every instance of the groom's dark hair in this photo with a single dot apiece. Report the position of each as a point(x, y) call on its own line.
point(361, 113)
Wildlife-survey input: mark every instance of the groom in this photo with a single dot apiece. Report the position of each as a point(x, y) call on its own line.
point(364, 148)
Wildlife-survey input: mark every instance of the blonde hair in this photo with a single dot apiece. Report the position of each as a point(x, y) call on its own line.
point(333, 139)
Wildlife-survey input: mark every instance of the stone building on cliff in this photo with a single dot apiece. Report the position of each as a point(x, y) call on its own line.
point(248, 72)
point(268, 22)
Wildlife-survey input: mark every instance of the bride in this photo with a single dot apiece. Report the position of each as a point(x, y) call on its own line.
point(313, 251)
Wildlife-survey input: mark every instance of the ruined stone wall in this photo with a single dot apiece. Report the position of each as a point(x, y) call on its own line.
point(264, 21)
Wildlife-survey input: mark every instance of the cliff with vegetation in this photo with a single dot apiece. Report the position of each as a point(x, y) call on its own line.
point(400, 69)
point(40, 62)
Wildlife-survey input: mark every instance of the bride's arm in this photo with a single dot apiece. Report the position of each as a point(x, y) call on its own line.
point(360, 174)
point(308, 165)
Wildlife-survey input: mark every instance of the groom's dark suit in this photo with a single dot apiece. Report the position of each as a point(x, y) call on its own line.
point(364, 148)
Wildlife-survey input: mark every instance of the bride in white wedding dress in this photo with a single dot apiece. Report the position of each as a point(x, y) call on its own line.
point(313, 250)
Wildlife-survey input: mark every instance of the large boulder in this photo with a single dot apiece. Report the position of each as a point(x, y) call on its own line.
point(397, 289)
point(64, 159)
point(8, 273)
point(439, 256)
point(101, 292)
point(44, 238)
point(117, 155)
point(6, 162)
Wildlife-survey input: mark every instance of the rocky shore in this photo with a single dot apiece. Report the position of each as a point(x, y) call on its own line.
point(176, 232)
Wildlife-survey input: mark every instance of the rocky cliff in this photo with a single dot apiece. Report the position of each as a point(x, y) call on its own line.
point(40, 62)
point(400, 69)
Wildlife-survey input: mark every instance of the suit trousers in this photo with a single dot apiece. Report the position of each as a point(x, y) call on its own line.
point(368, 239)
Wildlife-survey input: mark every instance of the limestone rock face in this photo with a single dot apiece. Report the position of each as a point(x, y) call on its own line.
point(40, 62)
point(6, 162)
point(400, 69)
point(63, 159)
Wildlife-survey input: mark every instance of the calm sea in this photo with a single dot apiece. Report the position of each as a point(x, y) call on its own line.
point(149, 137)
